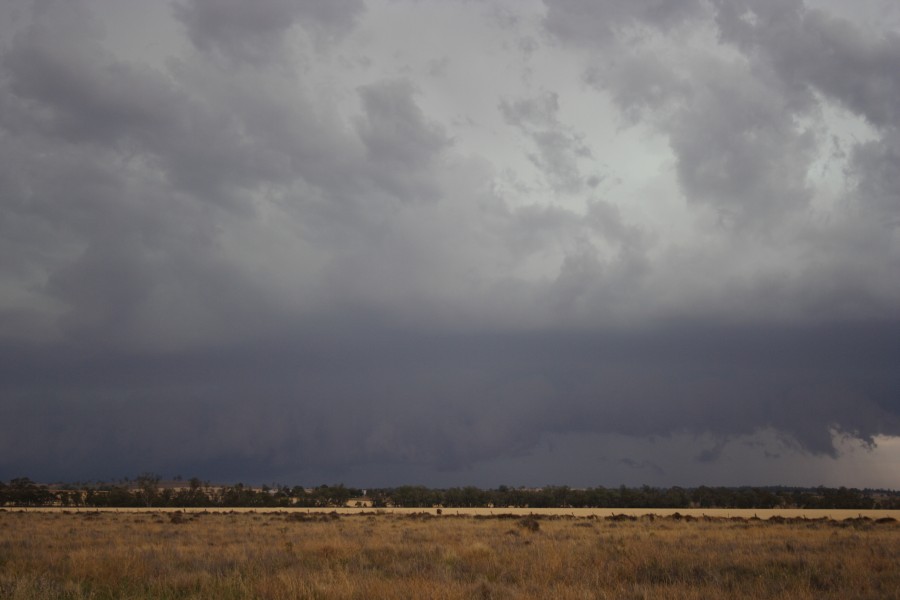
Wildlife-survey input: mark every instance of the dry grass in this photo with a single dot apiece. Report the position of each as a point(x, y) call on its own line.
point(721, 513)
point(140, 555)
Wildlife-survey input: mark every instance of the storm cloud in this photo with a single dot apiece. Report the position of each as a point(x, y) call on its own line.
point(402, 241)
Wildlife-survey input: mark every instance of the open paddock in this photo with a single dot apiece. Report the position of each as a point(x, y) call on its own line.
point(328, 554)
point(597, 513)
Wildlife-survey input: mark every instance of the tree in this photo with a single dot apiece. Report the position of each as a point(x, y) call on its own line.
point(148, 488)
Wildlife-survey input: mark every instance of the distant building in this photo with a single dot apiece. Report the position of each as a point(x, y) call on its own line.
point(361, 502)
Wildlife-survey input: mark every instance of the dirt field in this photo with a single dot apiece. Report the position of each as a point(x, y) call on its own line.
point(156, 554)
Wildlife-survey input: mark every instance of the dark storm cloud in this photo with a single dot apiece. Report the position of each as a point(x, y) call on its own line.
point(209, 268)
point(438, 401)
point(255, 32)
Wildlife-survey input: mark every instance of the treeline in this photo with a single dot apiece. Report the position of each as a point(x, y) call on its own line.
point(643, 497)
point(147, 491)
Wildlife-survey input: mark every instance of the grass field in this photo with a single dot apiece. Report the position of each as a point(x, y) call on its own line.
point(137, 555)
point(719, 513)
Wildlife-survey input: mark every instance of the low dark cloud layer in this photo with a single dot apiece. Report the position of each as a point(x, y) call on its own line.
point(443, 402)
point(284, 245)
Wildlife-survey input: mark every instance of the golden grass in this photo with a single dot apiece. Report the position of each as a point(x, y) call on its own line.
point(137, 555)
point(719, 513)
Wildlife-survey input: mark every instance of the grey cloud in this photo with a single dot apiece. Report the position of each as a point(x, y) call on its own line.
point(738, 147)
point(809, 47)
point(64, 83)
point(255, 33)
point(733, 124)
point(437, 67)
point(213, 269)
point(606, 219)
point(67, 86)
point(122, 178)
point(184, 172)
point(394, 129)
point(740, 151)
point(810, 52)
point(533, 225)
point(558, 147)
point(604, 256)
point(596, 23)
point(557, 156)
point(642, 465)
point(538, 112)
point(642, 84)
point(877, 181)
point(401, 144)
point(737, 141)
point(743, 129)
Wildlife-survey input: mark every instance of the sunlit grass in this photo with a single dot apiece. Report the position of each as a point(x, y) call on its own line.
point(272, 555)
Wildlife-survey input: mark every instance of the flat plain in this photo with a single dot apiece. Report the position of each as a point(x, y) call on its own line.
point(299, 554)
point(716, 513)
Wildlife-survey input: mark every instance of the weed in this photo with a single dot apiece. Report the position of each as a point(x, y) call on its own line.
point(529, 523)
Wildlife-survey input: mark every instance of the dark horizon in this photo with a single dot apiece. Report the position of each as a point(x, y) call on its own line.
point(149, 491)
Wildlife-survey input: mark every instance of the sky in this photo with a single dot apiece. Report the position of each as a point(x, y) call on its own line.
point(451, 242)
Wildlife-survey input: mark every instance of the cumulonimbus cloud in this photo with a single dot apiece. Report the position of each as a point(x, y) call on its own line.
point(291, 242)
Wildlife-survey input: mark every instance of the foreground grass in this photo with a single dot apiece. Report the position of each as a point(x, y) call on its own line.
point(273, 556)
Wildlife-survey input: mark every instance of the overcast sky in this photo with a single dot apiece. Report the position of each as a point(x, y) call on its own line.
point(450, 242)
